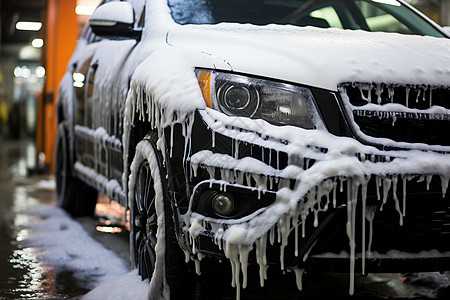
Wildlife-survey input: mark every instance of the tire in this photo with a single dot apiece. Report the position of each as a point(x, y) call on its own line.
point(73, 195)
point(153, 244)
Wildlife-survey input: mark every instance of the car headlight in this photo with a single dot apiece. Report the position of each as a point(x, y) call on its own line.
point(243, 96)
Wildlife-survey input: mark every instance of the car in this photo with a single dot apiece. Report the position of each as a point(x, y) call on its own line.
point(300, 135)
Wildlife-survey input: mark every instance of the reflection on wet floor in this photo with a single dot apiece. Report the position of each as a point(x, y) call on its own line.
point(23, 274)
point(40, 280)
point(111, 215)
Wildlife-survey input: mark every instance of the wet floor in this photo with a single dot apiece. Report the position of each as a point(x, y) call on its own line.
point(24, 275)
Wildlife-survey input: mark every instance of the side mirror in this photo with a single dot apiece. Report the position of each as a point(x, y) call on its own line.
point(114, 20)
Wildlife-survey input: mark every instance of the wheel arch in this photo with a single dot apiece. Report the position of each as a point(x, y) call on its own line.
point(138, 127)
point(168, 248)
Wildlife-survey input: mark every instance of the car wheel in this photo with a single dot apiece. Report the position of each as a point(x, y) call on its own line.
point(73, 195)
point(145, 223)
point(154, 248)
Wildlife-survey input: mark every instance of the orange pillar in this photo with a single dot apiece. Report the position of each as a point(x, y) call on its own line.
point(61, 36)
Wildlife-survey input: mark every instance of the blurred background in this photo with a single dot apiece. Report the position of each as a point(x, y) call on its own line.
point(37, 40)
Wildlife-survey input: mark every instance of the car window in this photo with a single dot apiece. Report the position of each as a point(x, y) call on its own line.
point(389, 16)
point(370, 15)
point(329, 15)
point(379, 20)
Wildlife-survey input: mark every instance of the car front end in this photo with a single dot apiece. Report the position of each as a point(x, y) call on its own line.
point(350, 180)
point(319, 196)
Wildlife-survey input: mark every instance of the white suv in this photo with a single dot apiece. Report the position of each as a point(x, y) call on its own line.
point(306, 134)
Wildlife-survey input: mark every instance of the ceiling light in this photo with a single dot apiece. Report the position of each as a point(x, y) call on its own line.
point(29, 53)
point(40, 71)
point(17, 72)
point(22, 72)
point(85, 10)
point(37, 43)
point(30, 26)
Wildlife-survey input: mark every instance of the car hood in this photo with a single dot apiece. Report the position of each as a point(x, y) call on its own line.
point(319, 57)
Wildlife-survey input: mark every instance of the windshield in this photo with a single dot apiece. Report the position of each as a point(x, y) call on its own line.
point(370, 15)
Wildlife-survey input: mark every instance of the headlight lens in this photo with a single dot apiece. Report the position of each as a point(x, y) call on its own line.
point(237, 100)
point(243, 96)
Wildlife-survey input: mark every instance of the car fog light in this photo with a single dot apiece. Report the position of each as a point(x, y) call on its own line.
point(223, 204)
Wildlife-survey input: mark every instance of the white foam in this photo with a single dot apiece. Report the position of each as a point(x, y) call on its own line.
point(59, 241)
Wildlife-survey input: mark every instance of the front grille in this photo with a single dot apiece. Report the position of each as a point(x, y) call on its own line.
point(426, 226)
point(401, 113)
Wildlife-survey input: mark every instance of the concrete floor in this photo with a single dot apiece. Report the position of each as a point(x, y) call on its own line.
point(17, 276)
point(22, 275)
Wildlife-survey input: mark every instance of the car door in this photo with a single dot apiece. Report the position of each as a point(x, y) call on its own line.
point(100, 102)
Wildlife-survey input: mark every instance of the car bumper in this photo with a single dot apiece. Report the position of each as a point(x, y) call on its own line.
point(313, 194)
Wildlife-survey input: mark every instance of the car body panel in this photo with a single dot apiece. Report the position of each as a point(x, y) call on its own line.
point(301, 55)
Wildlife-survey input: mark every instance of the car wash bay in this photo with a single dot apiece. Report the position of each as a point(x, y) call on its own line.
point(23, 275)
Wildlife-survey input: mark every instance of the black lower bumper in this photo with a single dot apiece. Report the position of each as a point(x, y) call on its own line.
point(420, 244)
